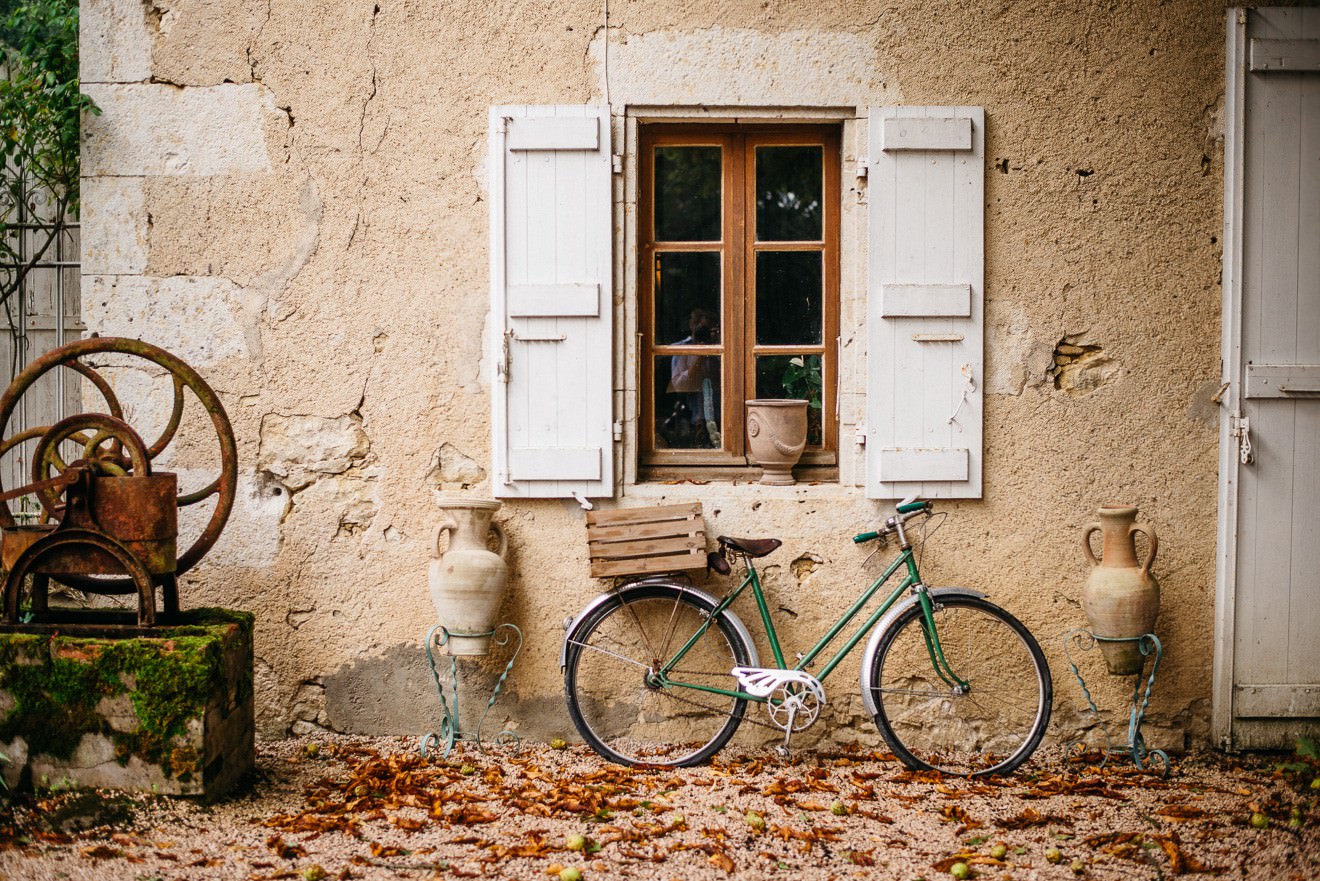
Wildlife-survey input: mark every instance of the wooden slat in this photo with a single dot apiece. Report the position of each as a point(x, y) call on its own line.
point(554, 133)
point(1285, 55)
point(643, 515)
point(908, 133)
point(634, 531)
point(572, 300)
point(1285, 701)
point(607, 569)
point(926, 301)
point(624, 550)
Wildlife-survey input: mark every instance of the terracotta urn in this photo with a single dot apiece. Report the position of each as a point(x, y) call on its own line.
point(776, 437)
point(468, 579)
point(1121, 598)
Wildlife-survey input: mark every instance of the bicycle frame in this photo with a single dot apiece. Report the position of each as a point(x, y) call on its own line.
point(913, 579)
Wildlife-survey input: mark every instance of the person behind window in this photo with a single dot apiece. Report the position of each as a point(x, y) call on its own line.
point(694, 381)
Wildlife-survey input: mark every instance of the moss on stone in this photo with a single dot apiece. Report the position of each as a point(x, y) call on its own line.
point(57, 682)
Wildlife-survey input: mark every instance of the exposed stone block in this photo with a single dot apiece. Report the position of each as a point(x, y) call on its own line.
point(162, 129)
point(114, 41)
point(114, 226)
point(166, 710)
point(197, 319)
point(299, 449)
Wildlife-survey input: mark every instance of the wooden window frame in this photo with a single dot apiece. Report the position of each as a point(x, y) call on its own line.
point(737, 347)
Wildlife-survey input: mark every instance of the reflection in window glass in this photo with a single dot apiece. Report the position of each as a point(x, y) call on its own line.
point(789, 298)
point(687, 194)
point(687, 298)
point(795, 376)
point(789, 183)
point(687, 402)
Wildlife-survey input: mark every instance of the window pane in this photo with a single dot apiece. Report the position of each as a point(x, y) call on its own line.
point(687, 298)
point(687, 194)
point(687, 402)
point(794, 376)
point(788, 194)
point(788, 298)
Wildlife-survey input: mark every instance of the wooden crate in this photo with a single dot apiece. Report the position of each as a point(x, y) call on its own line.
point(637, 541)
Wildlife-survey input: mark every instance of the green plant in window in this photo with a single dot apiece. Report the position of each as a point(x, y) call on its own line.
point(802, 379)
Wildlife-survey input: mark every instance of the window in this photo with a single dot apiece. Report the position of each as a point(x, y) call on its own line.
point(739, 288)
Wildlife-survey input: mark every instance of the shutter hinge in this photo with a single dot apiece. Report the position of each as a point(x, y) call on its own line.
point(617, 158)
point(859, 437)
point(1241, 429)
point(503, 366)
point(618, 432)
point(862, 167)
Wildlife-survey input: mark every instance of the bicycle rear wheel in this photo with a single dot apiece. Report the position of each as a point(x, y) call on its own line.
point(613, 697)
point(991, 727)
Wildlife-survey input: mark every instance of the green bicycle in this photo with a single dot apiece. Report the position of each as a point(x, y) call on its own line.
point(659, 672)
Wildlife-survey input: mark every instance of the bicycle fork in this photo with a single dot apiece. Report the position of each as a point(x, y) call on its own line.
point(933, 647)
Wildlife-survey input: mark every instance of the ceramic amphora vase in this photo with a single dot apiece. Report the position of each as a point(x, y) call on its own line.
point(1121, 598)
point(468, 580)
point(776, 437)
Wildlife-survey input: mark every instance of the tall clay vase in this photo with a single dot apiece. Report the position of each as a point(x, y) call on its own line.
point(1121, 598)
point(776, 436)
point(468, 580)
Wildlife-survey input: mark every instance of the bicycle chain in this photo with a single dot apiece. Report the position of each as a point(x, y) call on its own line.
point(669, 693)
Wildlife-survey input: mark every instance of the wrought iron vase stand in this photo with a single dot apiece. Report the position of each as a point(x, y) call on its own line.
point(451, 731)
point(1149, 645)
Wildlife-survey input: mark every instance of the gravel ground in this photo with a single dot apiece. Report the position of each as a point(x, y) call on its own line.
point(339, 807)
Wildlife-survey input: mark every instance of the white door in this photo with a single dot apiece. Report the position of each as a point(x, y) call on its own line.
point(1268, 646)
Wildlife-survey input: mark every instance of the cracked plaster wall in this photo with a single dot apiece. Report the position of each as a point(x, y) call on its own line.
point(292, 196)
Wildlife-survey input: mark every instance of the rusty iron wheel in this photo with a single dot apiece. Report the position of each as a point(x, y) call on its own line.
point(182, 376)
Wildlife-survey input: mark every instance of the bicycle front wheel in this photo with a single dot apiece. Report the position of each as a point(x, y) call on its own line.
point(930, 721)
point(619, 704)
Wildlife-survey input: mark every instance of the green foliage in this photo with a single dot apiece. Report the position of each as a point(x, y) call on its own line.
point(40, 111)
point(802, 379)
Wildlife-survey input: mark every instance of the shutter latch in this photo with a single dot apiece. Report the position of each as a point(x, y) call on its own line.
point(1241, 429)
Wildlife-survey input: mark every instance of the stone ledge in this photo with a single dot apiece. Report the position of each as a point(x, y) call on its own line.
point(167, 710)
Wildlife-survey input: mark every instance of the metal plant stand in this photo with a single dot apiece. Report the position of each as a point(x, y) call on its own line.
point(450, 730)
point(1149, 644)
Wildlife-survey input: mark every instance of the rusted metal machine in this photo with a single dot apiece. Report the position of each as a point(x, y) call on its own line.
point(107, 523)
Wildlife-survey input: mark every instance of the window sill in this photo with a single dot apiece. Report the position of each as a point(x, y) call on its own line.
point(696, 486)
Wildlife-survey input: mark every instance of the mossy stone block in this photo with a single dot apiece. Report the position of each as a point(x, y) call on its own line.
point(165, 709)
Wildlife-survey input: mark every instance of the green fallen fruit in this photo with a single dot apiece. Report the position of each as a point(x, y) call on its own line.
point(1052, 855)
point(1259, 820)
point(1315, 784)
point(1078, 867)
point(558, 743)
point(756, 821)
point(839, 809)
point(961, 871)
point(999, 851)
point(572, 873)
point(313, 873)
point(575, 842)
point(467, 770)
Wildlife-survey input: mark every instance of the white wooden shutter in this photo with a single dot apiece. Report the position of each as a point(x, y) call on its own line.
point(551, 301)
point(925, 309)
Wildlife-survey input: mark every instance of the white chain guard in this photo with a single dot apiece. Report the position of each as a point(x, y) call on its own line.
point(762, 681)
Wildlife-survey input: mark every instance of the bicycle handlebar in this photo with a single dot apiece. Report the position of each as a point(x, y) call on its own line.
point(905, 513)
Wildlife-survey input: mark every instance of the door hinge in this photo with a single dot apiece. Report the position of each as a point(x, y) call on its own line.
point(617, 159)
point(859, 437)
point(862, 167)
point(618, 432)
point(1241, 429)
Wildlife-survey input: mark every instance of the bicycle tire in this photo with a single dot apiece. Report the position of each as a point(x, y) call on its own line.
point(629, 719)
point(996, 724)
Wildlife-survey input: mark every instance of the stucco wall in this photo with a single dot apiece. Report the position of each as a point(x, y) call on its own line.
point(292, 196)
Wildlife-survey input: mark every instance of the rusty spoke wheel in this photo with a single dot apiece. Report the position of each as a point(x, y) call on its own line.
point(109, 440)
